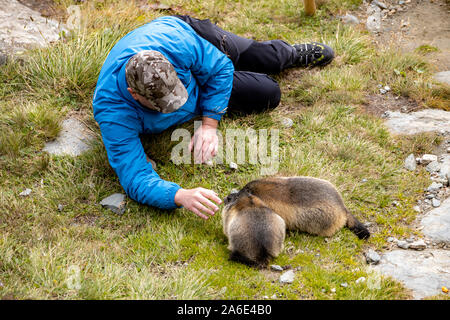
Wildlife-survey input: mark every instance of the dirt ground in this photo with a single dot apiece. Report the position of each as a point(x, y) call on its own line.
point(415, 23)
point(47, 8)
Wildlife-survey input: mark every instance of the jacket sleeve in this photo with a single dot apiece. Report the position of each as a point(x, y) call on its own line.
point(213, 71)
point(128, 159)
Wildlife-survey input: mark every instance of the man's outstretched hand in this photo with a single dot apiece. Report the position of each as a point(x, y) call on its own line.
point(200, 201)
point(205, 141)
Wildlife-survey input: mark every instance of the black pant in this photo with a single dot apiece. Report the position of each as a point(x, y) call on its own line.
point(253, 90)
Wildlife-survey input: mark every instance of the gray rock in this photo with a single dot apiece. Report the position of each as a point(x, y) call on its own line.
point(435, 203)
point(410, 163)
point(274, 296)
point(427, 158)
point(287, 122)
point(115, 202)
point(60, 207)
point(420, 121)
point(22, 28)
point(436, 223)
point(287, 277)
point(373, 22)
point(25, 193)
point(73, 139)
point(433, 167)
point(417, 209)
point(444, 173)
point(349, 19)
point(391, 239)
point(434, 187)
point(443, 76)
point(344, 284)
point(333, 290)
point(424, 272)
point(403, 244)
point(372, 257)
point(276, 267)
point(233, 166)
point(418, 245)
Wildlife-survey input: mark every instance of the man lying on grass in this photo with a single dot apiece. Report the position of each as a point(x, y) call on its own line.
point(174, 69)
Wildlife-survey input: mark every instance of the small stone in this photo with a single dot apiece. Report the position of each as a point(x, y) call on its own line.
point(443, 76)
point(430, 196)
point(434, 187)
point(382, 91)
point(344, 284)
point(417, 209)
point(410, 163)
point(265, 297)
point(403, 244)
point(410, 240)
point(349, 19)
point(115, 202)
point(391, 239)
point(372, 257)
point(359, 280)
point(60, 207)
point(364, 180)
point(387, 88)
point(448, 150)
point(380, 4)
point(433, 166)
point(435, 203)
point(333, 290)
point(25, 193)
point(274, 296)
point(287, 277)
point(418, 245)
point(287, 122)
point(276, 267)
point(401, 2)
point(427, 158)
point(233, 166)
point(323, 290)
point(395, 203)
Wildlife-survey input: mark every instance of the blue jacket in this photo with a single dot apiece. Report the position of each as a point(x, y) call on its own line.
point(206, 73)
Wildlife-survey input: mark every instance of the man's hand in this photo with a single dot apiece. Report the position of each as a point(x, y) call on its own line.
point(198, 201)
point(205, 141)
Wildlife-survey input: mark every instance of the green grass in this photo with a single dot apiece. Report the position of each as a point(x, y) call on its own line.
point(154, 254)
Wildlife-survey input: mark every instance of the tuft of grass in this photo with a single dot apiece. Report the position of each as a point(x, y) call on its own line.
point(425, 49)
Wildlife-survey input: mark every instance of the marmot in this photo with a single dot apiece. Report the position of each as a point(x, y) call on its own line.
point(255, 219)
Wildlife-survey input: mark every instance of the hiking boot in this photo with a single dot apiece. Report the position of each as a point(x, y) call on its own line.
point(313, 54)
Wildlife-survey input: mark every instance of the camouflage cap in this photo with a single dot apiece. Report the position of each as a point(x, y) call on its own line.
point(152, 76)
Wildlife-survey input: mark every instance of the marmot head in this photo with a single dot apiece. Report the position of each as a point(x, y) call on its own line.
point(255, 233)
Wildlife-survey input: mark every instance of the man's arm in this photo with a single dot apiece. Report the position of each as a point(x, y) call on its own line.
point(127, 157)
